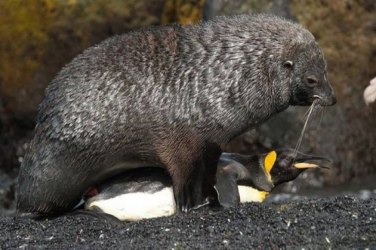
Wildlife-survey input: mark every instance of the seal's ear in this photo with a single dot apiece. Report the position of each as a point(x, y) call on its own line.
point(288, 64)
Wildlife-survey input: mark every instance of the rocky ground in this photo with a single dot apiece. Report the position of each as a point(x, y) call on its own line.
point(333, 222)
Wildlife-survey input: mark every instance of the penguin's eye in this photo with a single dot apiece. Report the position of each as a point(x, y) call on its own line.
point(287, 162)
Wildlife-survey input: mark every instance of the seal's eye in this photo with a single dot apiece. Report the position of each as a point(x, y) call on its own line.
point(312, 81)
point(288, 64)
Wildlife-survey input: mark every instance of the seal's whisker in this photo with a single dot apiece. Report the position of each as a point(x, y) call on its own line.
point(306, 114)
point(304, 128)
point(321, 111)
point(317, 111)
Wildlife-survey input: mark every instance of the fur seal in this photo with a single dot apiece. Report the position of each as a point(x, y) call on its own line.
point(146, 193)
point(168, 97)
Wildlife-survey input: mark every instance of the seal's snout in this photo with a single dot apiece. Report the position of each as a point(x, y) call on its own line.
point(333, 99)
point(329, 100)
point(327, 96)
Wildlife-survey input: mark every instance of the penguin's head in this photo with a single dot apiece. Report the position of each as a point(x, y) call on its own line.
point(264, 171)
point(285, 165)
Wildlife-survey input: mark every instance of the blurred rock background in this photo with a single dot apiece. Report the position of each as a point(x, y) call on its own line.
point(39, 36)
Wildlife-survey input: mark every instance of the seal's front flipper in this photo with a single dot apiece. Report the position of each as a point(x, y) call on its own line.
point(227, 186)
point(189, 195)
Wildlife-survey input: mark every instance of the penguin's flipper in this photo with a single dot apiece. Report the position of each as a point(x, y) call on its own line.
point(227, 186)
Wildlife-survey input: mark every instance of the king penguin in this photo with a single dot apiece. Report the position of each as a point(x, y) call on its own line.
point(146, 193)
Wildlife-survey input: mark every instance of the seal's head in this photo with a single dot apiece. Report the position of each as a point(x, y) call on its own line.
point(307, 68)
point(287, 57)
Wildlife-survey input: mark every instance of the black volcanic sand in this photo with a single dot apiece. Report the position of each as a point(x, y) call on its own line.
point(342, 221)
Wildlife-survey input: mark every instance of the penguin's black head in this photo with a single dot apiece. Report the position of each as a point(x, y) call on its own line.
point(288, 165)
point(306, 67)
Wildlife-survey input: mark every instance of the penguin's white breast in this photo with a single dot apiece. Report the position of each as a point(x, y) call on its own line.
point(249, 194)
point(136, 206)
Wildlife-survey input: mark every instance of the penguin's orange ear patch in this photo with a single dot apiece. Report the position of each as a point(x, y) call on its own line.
point(269, 161)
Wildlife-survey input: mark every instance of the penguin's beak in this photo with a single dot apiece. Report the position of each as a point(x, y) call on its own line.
point(304, 161)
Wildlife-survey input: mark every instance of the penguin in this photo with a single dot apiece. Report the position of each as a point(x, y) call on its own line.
point(137, 194)
point(146, 193)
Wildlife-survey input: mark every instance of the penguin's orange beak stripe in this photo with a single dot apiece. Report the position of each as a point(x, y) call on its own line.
point(269, 161)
